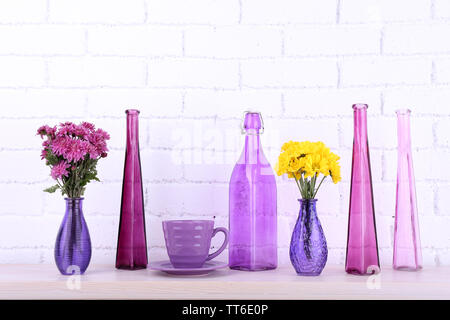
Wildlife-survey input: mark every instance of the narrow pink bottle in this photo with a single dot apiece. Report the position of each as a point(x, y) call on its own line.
point(407, 250)
point(362, 246)
point(132, 242)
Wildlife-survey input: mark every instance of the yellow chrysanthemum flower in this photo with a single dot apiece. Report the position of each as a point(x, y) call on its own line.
point(305, 162)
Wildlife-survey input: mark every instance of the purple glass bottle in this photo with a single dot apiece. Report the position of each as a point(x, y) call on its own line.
point(407, 250)
point(362, 246)
point(253, 205)
point(73, 244)
point(132, 243)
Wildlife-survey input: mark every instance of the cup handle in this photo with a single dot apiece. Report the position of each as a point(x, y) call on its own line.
point(225, 243)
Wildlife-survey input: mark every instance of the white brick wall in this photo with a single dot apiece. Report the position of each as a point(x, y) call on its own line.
point(193, 67)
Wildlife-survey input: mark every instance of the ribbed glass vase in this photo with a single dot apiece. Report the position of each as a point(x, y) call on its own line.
point(73, 244)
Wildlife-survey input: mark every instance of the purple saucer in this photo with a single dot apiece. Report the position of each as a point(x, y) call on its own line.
point(166, 266)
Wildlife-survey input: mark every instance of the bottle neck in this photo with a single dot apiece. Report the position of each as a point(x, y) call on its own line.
point(74, 204)
point(404, 131)
point(132, 129)
point(252, 149)
point(360, 126)
point(308, 207)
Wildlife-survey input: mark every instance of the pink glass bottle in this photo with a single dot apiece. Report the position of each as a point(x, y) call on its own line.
point(407, 250)
point(362, 247)
point(253, 205)
point(132, 243)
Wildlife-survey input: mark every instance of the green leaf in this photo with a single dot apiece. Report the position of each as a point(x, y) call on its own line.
point(52, 189)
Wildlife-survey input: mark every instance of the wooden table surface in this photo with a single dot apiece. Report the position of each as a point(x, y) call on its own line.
point(104, 282)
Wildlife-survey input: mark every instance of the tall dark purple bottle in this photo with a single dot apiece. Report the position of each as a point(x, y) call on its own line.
point(132, 243)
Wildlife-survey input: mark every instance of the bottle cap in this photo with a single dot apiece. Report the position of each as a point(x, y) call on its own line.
point(253, 123)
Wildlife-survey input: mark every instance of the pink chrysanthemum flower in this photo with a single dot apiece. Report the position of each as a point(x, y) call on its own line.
point(68, 147)
point(60, 170)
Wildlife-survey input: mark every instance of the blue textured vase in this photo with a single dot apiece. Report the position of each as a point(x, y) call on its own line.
point(309, 251)
point(73, 244)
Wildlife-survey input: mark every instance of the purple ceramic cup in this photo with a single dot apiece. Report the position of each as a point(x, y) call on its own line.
point(188, 242)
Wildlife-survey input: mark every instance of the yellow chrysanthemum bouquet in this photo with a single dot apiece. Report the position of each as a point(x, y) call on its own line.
point(305, 162)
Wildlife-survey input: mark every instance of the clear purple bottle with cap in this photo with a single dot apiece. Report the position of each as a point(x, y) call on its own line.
point(253, 204)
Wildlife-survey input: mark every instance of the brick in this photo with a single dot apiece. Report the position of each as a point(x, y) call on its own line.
point(194, 135)
point(97, 72)
point(443, 201)
point(97, 190)
point(439, 160)
point(24, 134)
point(13, 203)
point(381, 131)
point(301, 130)
point(442, 70)
point(42, 103)
point(433, 232)
point(289, 73)
point(151, 103)
point(231, 104)
point(385, 71)
point(354, 11)
point(193, 73)
point(385, 230)
point(442, 8)
point(421, 101)
point(442, 132)
point(135, 41)
point(21, 256)
point(32, 169)
point(99, 11)
point(330, 224)
point(23, 11)
point(329, 102)
point(110, 169)
point(213, 167)
point(193, 12)
point(410, 39)
point(346, 166)
point(232, 42)
point(421, 159)
point(160, 166)
point(42, 40)
point(288, 11)
point(332, 40)
point(22, 72)
point(103, 230)
point(117, 130)
point(385, 195)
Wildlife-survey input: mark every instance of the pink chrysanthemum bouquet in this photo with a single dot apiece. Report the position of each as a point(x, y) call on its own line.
point(72, 152)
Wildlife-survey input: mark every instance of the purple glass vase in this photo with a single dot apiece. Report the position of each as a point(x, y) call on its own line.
point(362, 246)
point(407, 250)
point(73, 243)
point(132, 243)
point(308, 251)
point(253, 205)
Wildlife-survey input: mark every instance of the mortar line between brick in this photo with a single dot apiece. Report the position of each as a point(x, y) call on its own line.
point(433, 9)
point(338, 11)
point(240, 12)
point(47, 11)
